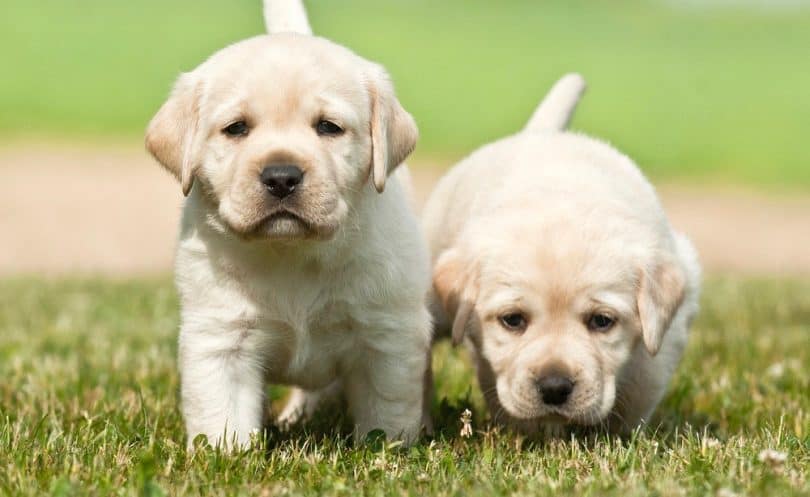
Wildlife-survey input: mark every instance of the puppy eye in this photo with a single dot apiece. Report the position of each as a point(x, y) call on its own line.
point(514, 321)
point(239, 128)
point(328, 128)
point(600, 322)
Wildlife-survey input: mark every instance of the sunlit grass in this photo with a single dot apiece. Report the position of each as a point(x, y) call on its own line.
point(88, 405)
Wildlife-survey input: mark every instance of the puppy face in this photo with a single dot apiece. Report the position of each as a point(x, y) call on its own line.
point(281, 133)
point(554, 322)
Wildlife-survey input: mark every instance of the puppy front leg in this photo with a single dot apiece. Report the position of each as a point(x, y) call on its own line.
point(222, 386)
point(384, 391)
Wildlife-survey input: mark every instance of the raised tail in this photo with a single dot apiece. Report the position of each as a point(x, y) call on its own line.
point(555, 111)
point(286, 16)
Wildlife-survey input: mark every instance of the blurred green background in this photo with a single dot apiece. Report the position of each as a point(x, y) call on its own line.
point(713, 90)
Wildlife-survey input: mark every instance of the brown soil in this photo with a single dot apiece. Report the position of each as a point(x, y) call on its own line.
point(113, 211)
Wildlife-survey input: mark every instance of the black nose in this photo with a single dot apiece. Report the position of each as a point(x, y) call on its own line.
point(281, 180)
point(555, 389)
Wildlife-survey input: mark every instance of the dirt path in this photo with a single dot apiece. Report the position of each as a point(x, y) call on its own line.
point(113, 211)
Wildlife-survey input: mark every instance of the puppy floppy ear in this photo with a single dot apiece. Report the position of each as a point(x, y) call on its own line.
point(393, 130)
point(172, 134)
point(660, 294)
point(456, 286)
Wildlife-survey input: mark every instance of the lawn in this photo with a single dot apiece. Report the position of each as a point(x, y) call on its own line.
point(88, 405)
point(714, 92)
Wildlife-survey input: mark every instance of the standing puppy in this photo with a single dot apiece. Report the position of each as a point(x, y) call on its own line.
point(293, 265)
point(554, 258)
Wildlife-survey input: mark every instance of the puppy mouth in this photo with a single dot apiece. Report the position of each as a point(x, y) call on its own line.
point(557, 416)
point(282, 215)
point(284, 225)
point(540, 413)
point(535, 411)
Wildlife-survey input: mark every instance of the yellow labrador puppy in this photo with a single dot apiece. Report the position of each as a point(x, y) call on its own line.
point(555, 260)
point(294, 266)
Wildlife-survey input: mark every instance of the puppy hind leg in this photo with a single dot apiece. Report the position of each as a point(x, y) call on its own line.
point(302, 404)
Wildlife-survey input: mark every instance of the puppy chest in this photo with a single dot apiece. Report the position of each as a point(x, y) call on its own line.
point(296, 320)
point(314, 350)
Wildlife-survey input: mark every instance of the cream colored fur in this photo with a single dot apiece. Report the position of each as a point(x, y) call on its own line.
point(323, 289)
point(561, 227)
point(286, 16)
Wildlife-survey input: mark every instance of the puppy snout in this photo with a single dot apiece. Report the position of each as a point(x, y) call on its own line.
point(281, 180)
point(555, 389)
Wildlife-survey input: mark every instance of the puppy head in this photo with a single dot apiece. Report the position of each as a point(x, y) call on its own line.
point(281, 133)
point(555, 320)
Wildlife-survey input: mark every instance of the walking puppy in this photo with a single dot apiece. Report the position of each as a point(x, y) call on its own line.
point(293, 265)
point(555, 260)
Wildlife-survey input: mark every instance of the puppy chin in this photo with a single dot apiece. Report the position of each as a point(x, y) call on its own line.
point(278, 226)
point(283, 226)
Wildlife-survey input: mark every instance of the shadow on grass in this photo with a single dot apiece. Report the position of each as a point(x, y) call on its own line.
point(331, 429)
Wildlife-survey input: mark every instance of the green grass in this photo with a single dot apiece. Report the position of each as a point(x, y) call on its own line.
point(88, 405)
point(711, 93)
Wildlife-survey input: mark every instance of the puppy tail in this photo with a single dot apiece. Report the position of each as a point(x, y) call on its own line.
point(286, 16)
point(556, 110)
